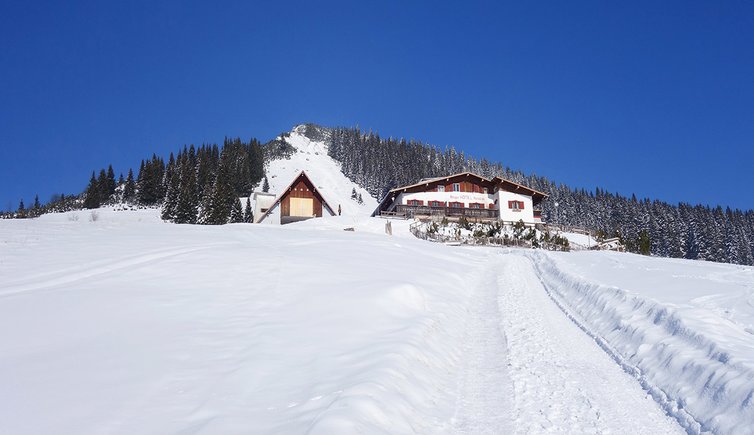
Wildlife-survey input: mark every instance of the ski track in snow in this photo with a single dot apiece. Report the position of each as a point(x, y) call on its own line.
point(563, 381)
point(72, 275)
point(484, 401)
point(528, 369)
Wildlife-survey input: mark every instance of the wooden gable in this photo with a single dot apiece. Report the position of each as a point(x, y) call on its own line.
point(303, 188)
point(467, 182)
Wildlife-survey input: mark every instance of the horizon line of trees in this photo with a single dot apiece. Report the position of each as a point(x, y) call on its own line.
point(202, 185)
point(199, 185)
point(643, 225)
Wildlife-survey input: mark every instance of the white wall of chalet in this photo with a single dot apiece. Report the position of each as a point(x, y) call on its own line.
point(463, 197)
point(500, 201)
point(507, 214)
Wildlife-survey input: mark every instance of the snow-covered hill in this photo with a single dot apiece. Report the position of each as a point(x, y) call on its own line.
point(115, 322)
point(311, 156)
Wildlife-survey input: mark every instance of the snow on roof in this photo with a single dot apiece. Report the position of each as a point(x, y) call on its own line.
point(495, 180)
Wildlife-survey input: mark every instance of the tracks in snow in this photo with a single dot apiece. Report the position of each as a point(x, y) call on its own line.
point(75, 274)
point(529, 369)
point(485, 400)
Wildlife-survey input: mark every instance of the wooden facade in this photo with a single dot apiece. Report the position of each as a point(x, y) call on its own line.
point(462, 183)
point(301, 200)
point(302, 189)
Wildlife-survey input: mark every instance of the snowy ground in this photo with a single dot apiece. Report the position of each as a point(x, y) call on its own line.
point(123, 324)
point(684, 328)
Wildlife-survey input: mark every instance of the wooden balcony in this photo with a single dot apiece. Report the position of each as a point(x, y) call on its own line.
point(411, 211)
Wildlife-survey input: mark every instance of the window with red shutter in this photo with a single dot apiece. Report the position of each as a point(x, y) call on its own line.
point(516, 205)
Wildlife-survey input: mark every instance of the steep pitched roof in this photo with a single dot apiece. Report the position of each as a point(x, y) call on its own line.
point(436, 179)
point(513, 186)
point(516, 187)
point(282, 195)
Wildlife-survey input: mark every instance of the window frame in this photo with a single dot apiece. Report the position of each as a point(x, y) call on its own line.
point(515, 205)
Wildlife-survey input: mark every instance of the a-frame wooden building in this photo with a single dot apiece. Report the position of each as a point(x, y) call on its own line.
point(301, 200)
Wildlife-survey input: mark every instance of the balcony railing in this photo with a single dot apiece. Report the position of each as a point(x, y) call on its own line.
point(410, 211)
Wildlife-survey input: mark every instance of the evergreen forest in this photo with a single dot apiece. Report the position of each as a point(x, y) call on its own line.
point(201, 185)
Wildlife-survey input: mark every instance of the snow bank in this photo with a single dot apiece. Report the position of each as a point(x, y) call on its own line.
point(699, 366)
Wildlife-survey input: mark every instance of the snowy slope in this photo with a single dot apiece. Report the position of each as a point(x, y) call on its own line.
point(124, 324)
point(324, 171)
point(129, 325)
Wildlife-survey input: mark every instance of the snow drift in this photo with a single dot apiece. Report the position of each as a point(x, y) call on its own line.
point(699, 367)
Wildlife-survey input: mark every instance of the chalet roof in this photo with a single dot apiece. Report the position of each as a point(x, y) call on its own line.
point(516, 187)
point(426, 181)
point(285, 191)
point(508, 184)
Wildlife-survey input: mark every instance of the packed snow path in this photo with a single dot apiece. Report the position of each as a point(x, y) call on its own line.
point(484, 401)
point(562, 381)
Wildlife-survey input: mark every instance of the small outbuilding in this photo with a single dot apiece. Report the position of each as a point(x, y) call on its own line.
point(301, 200)
point(262, 202)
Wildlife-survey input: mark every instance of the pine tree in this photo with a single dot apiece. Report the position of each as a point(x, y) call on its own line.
point(248, 215)
point(21, 212)
point(170, 204)
point(103, 184)
point(37, 208)
point(129, 190)
point(92, 194)
point(353, 194)
point(265, 185)
point(236, 213)
point(188, 201)
point(644, 243)
point(360, 199)
point(110, 181)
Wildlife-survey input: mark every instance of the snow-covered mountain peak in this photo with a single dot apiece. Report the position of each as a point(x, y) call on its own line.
point(302, 139)
point(310, 145)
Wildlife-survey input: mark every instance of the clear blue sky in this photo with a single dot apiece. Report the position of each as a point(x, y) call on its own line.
point(653, 98)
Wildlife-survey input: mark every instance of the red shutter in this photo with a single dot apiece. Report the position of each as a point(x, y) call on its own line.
point(521, 205)
point(510, 204)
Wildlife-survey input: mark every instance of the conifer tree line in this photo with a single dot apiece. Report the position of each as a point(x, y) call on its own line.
point(198, 185)
point(644, 226)
point(202, 185)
